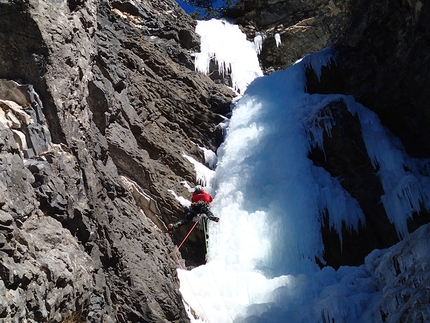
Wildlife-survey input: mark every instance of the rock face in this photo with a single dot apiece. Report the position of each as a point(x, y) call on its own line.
point(99, 102)
point(290, 29)
point(383, 61)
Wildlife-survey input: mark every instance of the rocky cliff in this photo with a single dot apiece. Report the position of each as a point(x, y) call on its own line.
point(99, 103)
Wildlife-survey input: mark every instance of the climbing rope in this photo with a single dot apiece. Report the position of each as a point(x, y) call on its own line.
point(180, 265)
point(186, 237)
point(203, 223)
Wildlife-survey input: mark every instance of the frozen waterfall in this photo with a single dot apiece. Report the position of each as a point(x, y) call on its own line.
point(270, 197)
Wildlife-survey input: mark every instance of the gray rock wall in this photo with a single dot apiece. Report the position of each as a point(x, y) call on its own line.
point(291, 29)
point(104, 104)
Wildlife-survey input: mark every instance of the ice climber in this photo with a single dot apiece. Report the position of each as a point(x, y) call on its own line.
point(200, 201)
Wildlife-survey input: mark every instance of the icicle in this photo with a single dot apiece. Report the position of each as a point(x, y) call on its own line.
point(404, 185)
point(317, 60)
point(258, 43)
point(320, 121)
point(278, 39)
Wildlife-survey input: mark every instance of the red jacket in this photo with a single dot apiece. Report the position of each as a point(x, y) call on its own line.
point(202, 196)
